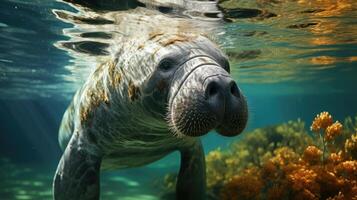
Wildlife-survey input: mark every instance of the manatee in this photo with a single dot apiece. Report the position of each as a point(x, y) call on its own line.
point(162, 84)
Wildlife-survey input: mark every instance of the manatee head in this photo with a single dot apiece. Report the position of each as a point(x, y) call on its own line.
point(163, 72)
point(188, 83)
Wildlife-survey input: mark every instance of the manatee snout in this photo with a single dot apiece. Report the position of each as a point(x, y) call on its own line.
point(228, 104)
point(221, 92)
point(207, 98)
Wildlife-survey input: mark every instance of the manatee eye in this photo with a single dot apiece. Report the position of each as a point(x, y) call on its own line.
point(226, 66)
point(166, 64)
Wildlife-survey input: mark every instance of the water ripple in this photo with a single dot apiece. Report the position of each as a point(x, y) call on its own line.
point(48, 49)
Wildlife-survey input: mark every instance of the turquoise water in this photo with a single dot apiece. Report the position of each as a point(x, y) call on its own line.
point(292, 63)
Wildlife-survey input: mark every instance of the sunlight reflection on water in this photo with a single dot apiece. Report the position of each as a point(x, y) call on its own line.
point(297, 42)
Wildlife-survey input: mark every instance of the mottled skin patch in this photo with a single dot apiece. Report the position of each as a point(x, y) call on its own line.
point(141, 46)
point(153, 35)
point(115, 75)
point(166, 41)
point(177, 38)
point(96, 95)
point(133, 91)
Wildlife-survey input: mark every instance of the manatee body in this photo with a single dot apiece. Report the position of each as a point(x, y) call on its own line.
point(158, 90)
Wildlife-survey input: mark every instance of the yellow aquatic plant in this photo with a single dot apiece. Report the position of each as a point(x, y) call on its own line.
point(327, 130)
point(321, 121)
point(285, 162)
point(312, 154)
point(333, 130)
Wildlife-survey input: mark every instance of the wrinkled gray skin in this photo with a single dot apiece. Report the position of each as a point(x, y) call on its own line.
point(156, 94)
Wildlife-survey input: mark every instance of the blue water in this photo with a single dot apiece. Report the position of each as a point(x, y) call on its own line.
point(293, 65)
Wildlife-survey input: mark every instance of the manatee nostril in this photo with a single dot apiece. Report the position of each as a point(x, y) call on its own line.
point(234, 89)
point(212, 89)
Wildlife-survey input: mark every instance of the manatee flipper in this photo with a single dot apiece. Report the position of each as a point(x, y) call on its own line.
point(77, 175)
point(191, 181)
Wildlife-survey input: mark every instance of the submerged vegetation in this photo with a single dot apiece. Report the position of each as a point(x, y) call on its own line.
point(287, 162)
